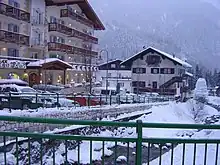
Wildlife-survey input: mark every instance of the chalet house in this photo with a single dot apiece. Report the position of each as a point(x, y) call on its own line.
point(157, 71)
point(117, 74)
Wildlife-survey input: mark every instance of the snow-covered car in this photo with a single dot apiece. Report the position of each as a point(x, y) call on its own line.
point(59, 100)
point(46, 99)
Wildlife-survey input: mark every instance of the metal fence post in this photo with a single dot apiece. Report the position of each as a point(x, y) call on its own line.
point(139, 142)
point(36, 98)
point(119, 99)
point(88, 100)
point(57, 98)
point(9, 101)
point(110, 99)
point(100, 100)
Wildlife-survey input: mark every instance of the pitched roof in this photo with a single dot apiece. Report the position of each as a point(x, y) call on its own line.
point(112, 61)
point(45, 62)
point(85, 7)
point(150, 49)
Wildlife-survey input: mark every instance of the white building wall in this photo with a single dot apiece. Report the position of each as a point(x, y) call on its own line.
point(122, 76)
point(159, 78)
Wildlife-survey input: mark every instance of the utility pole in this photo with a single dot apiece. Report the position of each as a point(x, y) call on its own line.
point(106, 83)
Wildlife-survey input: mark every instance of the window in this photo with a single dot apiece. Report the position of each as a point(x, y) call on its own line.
point(138, 84)
point(53, 19)
point(14, 3)
point(13, 52)
point(122, 84)
point(113, 66)
point(167, 70)
point(153, 60)
point(34, 55)
point(13, 28)
point(155, 71)
point(139, 70)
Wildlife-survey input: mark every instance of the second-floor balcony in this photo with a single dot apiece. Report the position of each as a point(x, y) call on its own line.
point(54, 46)
point(76, 16)
point(13, 12)
point(60, 28)
point(72, 32)
point(12, 37)
point(84, 36)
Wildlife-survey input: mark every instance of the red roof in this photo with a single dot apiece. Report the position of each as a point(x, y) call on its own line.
point(85, 7)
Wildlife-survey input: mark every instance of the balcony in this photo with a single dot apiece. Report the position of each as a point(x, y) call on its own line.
point(84, 36)
point(60, 28)
point(13, 12)
point(53, 46)
point(83, 51)
point(76, 16)
point(12, 37)
point(72, 32)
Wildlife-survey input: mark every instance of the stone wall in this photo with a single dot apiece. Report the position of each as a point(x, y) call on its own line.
point(89, 114)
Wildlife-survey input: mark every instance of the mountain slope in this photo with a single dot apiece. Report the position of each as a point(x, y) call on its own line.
point(186, 28)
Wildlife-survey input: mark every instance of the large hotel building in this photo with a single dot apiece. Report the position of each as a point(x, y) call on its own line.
point(48, 41)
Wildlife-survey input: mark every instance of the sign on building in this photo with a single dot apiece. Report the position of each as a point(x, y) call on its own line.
point(12, 64)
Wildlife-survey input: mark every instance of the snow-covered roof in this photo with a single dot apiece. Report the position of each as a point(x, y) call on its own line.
point(40, 63)
point(189, 74)
point(111, 61)
point(171, 57)
point(13, 81)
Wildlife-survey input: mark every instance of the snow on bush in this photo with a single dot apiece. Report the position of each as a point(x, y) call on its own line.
point(201, 91)
point(200, 98)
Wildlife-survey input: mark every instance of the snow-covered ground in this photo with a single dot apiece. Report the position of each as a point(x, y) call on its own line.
point(214, 100)
point(172, 113)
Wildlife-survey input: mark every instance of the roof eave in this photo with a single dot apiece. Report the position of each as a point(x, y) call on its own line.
point(98, 25)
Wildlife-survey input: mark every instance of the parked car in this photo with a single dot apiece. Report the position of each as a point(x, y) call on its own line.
point(12, 97)
point(24, 97)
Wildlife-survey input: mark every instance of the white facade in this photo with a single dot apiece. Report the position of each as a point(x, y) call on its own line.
point(157, 71)
point(149, 77)
point(123, 77)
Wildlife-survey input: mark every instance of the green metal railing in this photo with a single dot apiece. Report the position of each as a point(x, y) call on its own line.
point(135, 155)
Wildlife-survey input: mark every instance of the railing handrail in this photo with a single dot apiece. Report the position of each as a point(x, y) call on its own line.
point(107, 123)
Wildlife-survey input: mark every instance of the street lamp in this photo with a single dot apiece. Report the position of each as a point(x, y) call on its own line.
point(106, 83)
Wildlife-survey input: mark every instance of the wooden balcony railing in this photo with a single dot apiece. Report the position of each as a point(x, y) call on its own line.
point(60, 28)
point(53, 46)
point(84, 51)
point(13, 12)
point(84, 36)
point(75, 16)
point(72, 32)
point(12, 37)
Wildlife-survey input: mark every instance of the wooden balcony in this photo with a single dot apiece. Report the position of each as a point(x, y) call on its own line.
point(60, 28)
point(12, 37)
point(76, 16)
point(84, 36)
point(53, 46)
point(72, 32)
point(13, 12)
point(83, 51)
